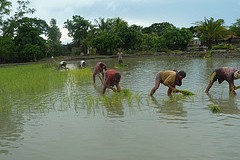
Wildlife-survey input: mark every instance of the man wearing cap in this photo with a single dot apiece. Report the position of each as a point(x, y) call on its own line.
point(221, 74)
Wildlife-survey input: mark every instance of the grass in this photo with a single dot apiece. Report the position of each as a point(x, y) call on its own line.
point(19, 83)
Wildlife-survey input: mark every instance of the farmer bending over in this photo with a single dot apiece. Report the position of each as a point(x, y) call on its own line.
point(112, 79)
point(63, 65)
point(221, 74)
point(99, 67)
point(169, 78)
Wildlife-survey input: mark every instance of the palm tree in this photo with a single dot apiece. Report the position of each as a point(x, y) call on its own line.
point(211, 30)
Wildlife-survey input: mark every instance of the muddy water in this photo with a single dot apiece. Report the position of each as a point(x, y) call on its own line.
point(74, 124)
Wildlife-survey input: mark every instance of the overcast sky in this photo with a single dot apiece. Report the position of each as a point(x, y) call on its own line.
point(181, 13)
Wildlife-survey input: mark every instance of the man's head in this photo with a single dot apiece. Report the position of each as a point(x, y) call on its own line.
point(181, 74)
point(236, 74)
point(117, 77)
point(103, 66)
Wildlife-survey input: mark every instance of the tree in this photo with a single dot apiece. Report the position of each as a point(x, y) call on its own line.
point(78, 28)
point(235, 28)
point(10, 24)
point(211, 31)
point(158, 28)
point(4, 9)
point(29, 41)
point(177, 39)
point(7, 49)
point(54, 36)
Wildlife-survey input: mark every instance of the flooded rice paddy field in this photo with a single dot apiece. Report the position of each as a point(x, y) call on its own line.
point(74, 121)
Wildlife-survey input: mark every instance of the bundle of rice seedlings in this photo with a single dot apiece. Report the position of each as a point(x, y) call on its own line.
point(185, 92)
point(215, 108)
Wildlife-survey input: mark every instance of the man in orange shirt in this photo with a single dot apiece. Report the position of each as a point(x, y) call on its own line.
point(112, 79)
point(169, 78)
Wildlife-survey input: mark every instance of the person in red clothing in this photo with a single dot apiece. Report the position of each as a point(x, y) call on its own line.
point(112, 79)
point(99, 67)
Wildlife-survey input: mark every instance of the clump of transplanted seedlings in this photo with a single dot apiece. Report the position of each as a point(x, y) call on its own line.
point(215, 108)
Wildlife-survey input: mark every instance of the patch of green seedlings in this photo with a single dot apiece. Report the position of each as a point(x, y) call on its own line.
point(118, 98)
point(215, 108)
point(186, 92)
point(90, 102)
point(121, 66)
point(80, 75)
point(23, 83)
point(115, 99)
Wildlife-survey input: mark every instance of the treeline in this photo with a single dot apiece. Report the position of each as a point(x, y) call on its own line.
point(24, 38)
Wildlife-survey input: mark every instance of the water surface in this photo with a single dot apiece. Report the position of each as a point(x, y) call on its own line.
point(74, 123)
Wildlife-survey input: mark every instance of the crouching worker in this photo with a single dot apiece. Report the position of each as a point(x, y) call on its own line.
point(62, 65)
point(98, 70)
point(112, 79)
point(83, 64)
point(221, 74)
point(169, 78)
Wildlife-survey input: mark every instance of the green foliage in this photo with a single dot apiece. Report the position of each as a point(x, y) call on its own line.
point(20, 83)
point(106, 36)
point(177, 39)
point(215, 108)
point(235, 28)
point(4, 8)
point(106, 43)
point(30, 44)
point(211, 30)
point(78, 28)
point(7, 48)
point(54, 45)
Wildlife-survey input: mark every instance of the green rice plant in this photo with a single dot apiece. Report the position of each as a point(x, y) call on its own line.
point(80, 75)
point(24, 82)
point(138, 98)
point(215, 108)
point(121, 66)
point(90, 101)
point(186, 93)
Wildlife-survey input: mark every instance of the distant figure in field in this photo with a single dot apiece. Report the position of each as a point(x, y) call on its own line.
point(62, 65)
point(169, 78)
point(221, 74)
point(83, 64)
point(112, 79)
point(98, 70)
point(120, 57)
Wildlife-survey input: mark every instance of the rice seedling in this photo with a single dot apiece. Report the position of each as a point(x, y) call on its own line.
point(215, 108)
point(27, 81)
point(186, 92)
point(80, 76)
point(121, 66)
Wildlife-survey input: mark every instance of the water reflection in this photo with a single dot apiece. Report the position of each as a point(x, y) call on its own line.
point(11, 127)
point(227, 105)
point(171, 109)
